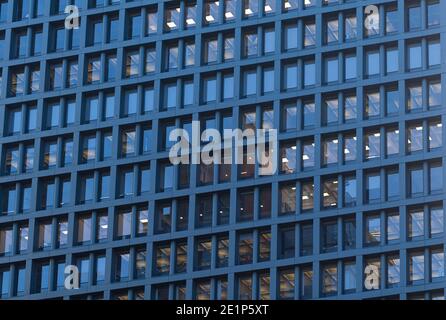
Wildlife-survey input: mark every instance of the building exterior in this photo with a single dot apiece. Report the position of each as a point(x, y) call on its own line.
point(355, 210)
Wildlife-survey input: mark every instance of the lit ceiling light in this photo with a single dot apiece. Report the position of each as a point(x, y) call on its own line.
point(104, 226)
point(209, 18)
point(419, 128)
point(229, 15)
point(284, 160)
point(248, 11)
point(293, 147)
point(268, 8)
point(178, 9)
point(377, 135)
point(144, 220)
point(190, 21)
point(326, 194)
point(171, 24)
point(305, 157)
point(305, 198)
point(346, 151)
point(287, 5)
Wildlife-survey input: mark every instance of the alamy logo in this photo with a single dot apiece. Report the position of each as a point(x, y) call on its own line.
point(72, 277)
point(371, 21)
point(371, 281)
point(72, 21)
point(210, 147)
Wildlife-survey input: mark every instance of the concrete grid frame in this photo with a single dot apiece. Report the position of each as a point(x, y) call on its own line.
point(85, 178)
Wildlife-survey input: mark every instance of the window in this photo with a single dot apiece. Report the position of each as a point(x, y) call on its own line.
point(373, 187)
point(391, 17)
point(310, 34)
point(287, 243)
point(332, 34)
point(290, 36)
point(433, 48)
point(350, 191)
point(437, 264)
point(415, 61)
point(84, 229)
point(329, 280)
point(433, 13)
point(332, 69)
point(350, 67)
point(415, 137)
point(373, 145)
point(251, 44)
point(308, 156)
point(349, 276)
point(286, 284)
point(373, 63)
point(373, 230)
point(245, 248)
point(349, 233)
point(434, 93)
point(329, 235)
point(124, 223)
point(416, 267)
point(330, 193)
point(351, 27)
point(414, 99)
point(435, 177)
point(392, 56)
point(393, 190)
point(330, 151)
point(392, 101)
point(393, 271)
point(416, 181)
point(287, 200)
point(309, 73)
point(393, 227)
point(372, 104)
point(290, 76)
point(416, 223)
point(250, 82)
point(414, 16)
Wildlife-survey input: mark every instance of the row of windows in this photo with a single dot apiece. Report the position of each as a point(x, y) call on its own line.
point(422, 135)
point(184, 15)
point(133, 221)
point(344, 276)
point(252, 38)
point(136, 179)
point(26, 79)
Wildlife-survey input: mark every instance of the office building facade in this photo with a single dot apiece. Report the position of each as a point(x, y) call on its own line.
point(355, 209)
